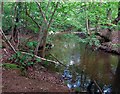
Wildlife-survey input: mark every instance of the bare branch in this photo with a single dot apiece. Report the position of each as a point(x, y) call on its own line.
point(44, 59)
point(47, 6)
point(7, 41)
point(32, 19)
point(42, 13)
point(52, 15)
point(58, 60)
point(98, 86)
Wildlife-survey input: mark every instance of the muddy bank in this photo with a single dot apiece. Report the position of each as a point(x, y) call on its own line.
point(112, 46)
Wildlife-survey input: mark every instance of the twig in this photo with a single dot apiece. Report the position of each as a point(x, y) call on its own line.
point(97, 86)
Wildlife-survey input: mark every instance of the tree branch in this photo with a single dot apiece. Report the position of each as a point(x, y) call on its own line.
point(44, 59)
point(52, 15)
point(9, 44)
point(42, 13)
point(58, 60)
point(7, 41)
point(46, 31)
point(32, 19)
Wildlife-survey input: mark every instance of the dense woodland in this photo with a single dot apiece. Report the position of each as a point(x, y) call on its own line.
point(27, 28)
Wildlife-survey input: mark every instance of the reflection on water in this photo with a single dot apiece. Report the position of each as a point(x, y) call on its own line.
point(97, 65)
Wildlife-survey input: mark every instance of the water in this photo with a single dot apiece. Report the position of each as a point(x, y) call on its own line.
point(97, 65)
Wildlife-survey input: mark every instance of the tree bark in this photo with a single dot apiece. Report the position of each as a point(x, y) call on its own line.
point(7, 41)
point(15, 32)
point(2, 9)
point(46, 31)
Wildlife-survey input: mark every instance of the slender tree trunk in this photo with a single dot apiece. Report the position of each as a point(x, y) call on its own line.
point(2, 10)
point(15, 32)
point(87, 26)
point(44, 28)
point(41, 30)
point(46, 31)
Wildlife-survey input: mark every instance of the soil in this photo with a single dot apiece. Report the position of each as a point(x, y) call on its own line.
point(43, 81)
point(36, 80)
point(111, 46)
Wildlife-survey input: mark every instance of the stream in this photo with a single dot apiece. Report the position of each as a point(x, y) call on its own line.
point(90, 65)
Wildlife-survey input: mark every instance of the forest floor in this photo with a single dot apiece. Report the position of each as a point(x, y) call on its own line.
point(42, 80)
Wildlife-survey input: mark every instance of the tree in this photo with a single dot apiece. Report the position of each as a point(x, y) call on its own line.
point(15, 32)
point(43, 29)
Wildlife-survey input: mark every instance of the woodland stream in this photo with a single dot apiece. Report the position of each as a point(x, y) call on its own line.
point(91, 65)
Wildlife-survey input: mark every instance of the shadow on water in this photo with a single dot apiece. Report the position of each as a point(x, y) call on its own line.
point(116, 80)
point(96, 65)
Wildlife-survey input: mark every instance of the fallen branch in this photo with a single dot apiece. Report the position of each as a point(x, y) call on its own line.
point(44, 59)
point(58, 60)
point(7, 41)
point(11, 46)
point(97, 86)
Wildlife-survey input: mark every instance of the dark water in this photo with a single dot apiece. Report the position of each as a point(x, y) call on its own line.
point(97, 65)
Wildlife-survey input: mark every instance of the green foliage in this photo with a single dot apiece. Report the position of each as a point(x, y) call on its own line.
point(92, 40)
point(68, 15)
point(32, 44)
point(10, 66)
point(24, 60)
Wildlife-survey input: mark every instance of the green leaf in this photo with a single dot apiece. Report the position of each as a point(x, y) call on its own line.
point(30, 63)
point(19, 54)
point(38, 60)
point(10, 66)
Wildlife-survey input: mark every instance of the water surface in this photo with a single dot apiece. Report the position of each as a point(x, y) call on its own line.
point(97, 65)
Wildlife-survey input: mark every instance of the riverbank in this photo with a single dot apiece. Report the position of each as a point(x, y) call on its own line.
point(35, 80)
point(112, 46)
point(43, 81)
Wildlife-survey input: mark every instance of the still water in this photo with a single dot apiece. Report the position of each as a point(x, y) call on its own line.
point(96, 65)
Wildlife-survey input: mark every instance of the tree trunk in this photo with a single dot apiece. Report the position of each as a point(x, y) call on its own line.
point(15, 32)
point(2, 4)
point(46, 31)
